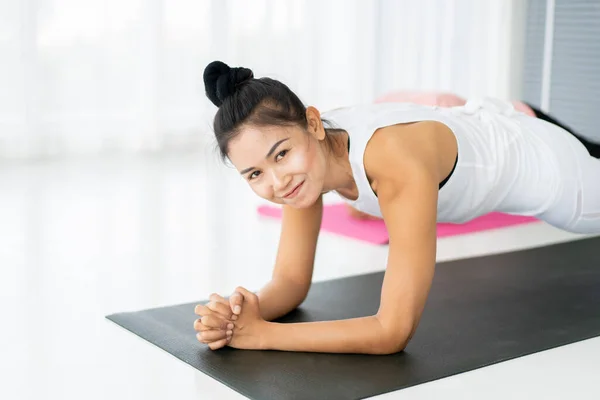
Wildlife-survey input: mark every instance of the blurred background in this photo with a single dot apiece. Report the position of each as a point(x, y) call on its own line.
point(103, 76)
point(112, 196)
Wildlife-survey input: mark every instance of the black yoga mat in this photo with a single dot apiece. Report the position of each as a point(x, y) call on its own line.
point(480, 311)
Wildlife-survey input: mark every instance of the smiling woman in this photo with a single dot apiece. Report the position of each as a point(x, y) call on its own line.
point(283, 164)
point(410, 164)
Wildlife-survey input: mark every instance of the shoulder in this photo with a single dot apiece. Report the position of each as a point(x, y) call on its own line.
point(405, 153)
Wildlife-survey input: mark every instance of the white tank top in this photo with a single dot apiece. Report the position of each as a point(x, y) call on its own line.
point(486, 174)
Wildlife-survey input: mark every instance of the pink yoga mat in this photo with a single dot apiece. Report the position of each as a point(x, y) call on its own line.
point(337, 220)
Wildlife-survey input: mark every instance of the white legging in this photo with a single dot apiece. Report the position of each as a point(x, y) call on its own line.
point(577, 205)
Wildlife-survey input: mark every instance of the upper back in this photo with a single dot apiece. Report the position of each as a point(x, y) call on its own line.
point(362, 122)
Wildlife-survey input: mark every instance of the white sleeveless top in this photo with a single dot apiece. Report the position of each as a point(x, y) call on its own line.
point(487, 167)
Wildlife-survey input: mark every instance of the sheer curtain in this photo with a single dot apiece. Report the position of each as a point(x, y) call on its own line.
point(82, 77)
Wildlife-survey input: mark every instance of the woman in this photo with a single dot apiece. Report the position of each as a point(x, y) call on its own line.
point(444, 99)
point(411, 165)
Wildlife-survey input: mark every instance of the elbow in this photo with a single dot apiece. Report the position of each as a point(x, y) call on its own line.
point(301, 296)
point(394, 339)
point(392, 345)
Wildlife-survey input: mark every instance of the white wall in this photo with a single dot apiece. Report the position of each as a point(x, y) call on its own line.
point(468, 47)
point(90, 76)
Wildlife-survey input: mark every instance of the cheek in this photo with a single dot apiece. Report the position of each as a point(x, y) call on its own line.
point(315, 163)
point(261, 190)
point(265, 191)
point(298, 162)
point(310, 161)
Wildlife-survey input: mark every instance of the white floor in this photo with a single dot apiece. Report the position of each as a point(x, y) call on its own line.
point(85, 238)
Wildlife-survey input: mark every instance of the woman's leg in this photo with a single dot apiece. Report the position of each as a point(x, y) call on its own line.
point(578, 210)
point(577, 205)
point(592, 148)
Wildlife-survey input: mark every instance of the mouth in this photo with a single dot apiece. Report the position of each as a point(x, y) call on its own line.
point(294, 191)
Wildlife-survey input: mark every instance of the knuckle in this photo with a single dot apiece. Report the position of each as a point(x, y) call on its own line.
point(204, 310)
point(216, 345)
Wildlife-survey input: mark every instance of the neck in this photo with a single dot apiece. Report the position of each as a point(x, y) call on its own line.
point(339, 176)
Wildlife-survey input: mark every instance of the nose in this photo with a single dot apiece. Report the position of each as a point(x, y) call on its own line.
point(280, 182)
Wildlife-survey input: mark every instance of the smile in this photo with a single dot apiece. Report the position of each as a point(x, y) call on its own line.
point(294, 191)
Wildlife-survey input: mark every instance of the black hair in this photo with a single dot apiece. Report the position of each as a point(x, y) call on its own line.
point(244, 99)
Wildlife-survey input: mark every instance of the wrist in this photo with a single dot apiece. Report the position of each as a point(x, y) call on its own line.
point(265, 335)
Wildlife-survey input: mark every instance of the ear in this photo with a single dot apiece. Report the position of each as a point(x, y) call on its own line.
point(315, 125)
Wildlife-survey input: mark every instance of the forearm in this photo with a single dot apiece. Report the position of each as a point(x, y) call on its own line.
point(278, 297)
point(365, 335)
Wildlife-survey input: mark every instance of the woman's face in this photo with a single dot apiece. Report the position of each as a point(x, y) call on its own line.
point(285, 165)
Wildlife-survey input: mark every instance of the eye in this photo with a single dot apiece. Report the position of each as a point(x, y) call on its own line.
point(280, 155)
point(254, 175)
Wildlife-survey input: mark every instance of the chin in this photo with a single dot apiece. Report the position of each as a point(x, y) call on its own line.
point(301, 204)
point(306, 201)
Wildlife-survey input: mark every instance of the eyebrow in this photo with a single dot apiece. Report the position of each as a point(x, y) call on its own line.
point(273, 148)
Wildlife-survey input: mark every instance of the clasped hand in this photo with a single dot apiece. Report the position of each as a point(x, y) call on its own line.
point(224, 323)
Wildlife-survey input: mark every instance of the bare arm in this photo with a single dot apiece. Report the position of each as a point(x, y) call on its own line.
point(409, 205)
point(292, 274)
point(287, 289)
point(280, 296)
point(405, 288)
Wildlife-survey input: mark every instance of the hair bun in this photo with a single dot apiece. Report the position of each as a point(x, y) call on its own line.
point(221, 81)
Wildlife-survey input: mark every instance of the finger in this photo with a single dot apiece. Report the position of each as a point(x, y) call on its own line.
point(216, 322)
point(248, 295)
point(200, 327)
point(218, 344)
point(214, 297)
point(202, 310)
point(217, 298)
point(235, 302)
point(221, 308)
point(213, 336)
